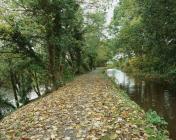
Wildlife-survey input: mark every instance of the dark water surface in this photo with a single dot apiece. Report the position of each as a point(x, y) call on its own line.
point(155, 95)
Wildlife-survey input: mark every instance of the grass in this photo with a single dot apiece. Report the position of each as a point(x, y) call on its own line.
point(154, 125)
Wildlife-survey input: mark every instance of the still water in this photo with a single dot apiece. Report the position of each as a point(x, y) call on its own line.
point(155, 95)
point(8, 94)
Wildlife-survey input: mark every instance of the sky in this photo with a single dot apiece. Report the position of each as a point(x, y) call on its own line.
point(111, 11)
point(109, 16)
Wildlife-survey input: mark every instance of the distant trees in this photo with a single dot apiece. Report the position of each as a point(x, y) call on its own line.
point(94, 36)
point(145, 30)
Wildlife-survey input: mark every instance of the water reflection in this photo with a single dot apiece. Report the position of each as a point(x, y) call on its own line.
point(156, 95)
point(8, 94)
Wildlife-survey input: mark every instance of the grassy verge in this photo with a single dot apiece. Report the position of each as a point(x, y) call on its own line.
point(153, 125)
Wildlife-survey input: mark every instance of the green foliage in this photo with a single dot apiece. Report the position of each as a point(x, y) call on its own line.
point(37, 41)
point(159, 135)
point(68, 75)
point(46, 43)
point(155, 119)
point(160, 123)
point(94, 39)
point(145, 30)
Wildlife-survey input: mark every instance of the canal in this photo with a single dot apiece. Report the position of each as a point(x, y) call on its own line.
point(155, 95)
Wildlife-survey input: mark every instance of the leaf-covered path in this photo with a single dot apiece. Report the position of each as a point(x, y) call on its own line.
point(88, 108)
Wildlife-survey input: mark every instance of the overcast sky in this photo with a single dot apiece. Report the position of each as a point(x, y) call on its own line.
point(110, 12)
point(111, 6)
point(109, 16)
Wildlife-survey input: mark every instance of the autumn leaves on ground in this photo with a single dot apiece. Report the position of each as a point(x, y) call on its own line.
point(87, 108)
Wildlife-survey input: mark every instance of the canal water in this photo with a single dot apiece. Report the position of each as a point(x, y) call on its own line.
point(155, 95)
point(8, 94)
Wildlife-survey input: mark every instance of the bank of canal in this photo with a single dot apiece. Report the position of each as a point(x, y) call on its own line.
point(155, 95)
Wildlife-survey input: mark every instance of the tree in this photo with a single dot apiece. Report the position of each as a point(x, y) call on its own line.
point(145, 30)
point(39, 40)
point(94, 36)
point(5, 107)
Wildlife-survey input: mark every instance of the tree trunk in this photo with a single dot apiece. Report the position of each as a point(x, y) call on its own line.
point(13, 82)
point(51, 65)
point(37, 84)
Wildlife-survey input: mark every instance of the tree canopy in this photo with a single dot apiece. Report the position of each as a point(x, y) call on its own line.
point(145, 30)
point(44, 43)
